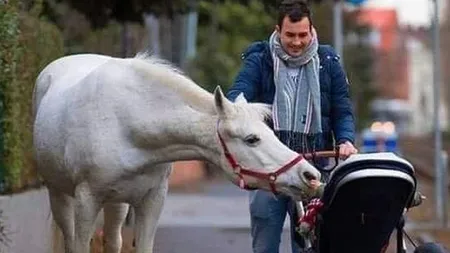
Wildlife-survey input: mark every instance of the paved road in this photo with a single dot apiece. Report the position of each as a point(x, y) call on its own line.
point(26, 221)
point(207, 240)
point(214, 220)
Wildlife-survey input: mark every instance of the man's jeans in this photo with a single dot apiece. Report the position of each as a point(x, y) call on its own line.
point(268, 213)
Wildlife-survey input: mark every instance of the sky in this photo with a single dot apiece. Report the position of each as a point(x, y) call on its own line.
point(410, 12)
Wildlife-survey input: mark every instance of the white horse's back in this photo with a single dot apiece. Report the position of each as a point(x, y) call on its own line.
point(90, 113)
point(65, 71)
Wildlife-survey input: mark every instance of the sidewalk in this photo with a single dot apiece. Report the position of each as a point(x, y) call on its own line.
point(26, 221)
point(218, 204)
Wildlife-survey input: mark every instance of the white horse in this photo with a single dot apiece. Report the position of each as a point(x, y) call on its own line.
point(107, 129)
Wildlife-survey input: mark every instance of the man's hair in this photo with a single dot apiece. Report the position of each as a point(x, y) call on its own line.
point(296, 10)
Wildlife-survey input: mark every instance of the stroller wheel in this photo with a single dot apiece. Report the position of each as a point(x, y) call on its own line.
point(431, 247)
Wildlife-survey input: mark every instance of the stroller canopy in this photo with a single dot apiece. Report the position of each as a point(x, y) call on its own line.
point(364, 201)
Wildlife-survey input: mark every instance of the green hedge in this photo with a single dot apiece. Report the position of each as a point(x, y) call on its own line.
point(9, 45)
point(28, 44)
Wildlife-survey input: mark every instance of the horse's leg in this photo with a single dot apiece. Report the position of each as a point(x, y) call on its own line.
point(114, 217)
point(86, 211)
point(62, 207)
point(147, 214)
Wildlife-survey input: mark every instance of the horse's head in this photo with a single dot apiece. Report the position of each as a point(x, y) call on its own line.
point(253, 155)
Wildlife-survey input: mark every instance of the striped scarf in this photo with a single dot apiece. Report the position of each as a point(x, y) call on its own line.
point(296, 108)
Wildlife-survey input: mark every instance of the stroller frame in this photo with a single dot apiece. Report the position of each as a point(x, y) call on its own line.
point(373, 169)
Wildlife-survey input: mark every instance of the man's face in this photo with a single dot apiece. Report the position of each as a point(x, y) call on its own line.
point(295, 37)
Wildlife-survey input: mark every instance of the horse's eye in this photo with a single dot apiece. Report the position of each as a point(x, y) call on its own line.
point(252, 140)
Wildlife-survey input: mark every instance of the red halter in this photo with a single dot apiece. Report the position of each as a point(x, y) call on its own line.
point(240, 171)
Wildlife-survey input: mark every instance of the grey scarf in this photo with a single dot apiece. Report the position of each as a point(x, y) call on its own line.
point(296, 106)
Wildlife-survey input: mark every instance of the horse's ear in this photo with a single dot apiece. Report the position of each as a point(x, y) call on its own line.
point(223, 106)
point(240, 98)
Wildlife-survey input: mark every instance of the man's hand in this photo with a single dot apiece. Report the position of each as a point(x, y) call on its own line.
point(346, 149)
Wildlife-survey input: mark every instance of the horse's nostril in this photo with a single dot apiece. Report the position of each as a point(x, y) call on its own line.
point(309, 176)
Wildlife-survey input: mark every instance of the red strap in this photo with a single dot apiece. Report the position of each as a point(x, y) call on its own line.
point(240, 171)
point(229, 157)
point(312, 210)
point(272, 177)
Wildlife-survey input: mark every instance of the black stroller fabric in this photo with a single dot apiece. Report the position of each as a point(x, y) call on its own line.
point(361, 215)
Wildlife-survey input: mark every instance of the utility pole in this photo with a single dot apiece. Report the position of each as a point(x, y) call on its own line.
point(338, 30)
point(438, 157)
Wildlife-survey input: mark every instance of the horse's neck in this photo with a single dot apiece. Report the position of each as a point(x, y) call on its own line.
point(189, 128)
point(191, 136)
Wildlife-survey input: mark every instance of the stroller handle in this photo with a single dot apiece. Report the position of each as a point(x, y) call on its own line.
point(324, 154)
point(321, 154)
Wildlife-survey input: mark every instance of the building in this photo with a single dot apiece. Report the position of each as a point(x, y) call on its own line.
point(404, 65)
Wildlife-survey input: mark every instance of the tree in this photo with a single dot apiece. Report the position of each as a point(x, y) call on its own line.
point(28, 44)
point(225, 29)
point(100, 12)
point(359, 58)
point(272, 5)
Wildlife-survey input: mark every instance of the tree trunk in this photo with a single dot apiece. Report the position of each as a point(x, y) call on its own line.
point(152, 24)
point(126, 37)
point(166, 38)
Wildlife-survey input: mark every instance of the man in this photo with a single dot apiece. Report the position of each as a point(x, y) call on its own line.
point(308, 90)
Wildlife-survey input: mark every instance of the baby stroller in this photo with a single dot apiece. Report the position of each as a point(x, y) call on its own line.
point(363, 202)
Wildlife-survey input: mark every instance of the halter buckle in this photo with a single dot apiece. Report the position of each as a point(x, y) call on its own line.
point(237, 170)
point(272, 177)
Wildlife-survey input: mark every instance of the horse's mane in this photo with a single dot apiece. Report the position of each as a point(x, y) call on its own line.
point(193, 94)
point(171, 76)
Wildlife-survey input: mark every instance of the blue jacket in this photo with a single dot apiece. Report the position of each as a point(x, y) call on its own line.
point(255, 80)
